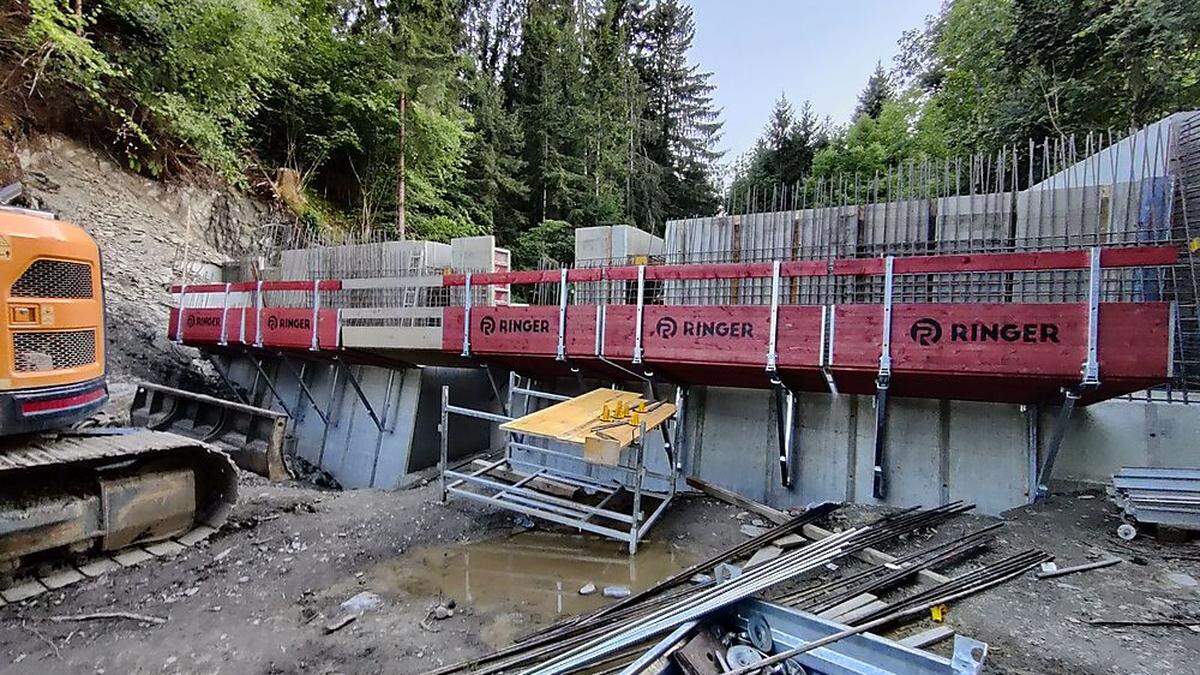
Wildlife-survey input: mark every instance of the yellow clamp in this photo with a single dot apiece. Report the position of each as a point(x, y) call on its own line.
point(938, 613)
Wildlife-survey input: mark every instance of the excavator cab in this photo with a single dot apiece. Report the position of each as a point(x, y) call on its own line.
point(52, 330)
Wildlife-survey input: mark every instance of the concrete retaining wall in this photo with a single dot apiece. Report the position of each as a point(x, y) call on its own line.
point(938, 451)
point(353, 449)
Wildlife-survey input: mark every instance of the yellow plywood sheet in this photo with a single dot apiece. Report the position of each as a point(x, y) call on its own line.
point(577, 421)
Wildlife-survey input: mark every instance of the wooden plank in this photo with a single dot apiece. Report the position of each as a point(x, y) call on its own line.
point(774, 515)
point(561, 417)
point(539, 484)
point(856, 614)
point(928, 637)
point(573, 422)
point(860, 600)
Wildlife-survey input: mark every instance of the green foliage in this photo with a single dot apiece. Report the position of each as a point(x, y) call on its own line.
point(441, 117)
point(877, 92)
point(549, 240)
point(901, 132)
point(985, 74)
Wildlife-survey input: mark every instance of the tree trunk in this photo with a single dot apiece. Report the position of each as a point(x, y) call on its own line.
point(400, 185)
point(79, 16)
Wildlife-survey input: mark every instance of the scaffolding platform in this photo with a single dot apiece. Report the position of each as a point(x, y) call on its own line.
point(620, 508)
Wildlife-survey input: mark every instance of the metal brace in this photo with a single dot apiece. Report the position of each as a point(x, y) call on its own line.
point(882, 384)
point(466, 341)
point(885, 351)
point(1090, 379)
point(304, 387)
point(773, 335)
point(641, 301)
point(601, 324)
point(599, 347)
point(1091, 367)
point(225, 378)
point(267, 379)
point(316, 303)
point(1071, 396)
point(785, 416)
point(387, 405)
point(505, 403)
point(561, 353)
point(362, 396)
point(258, 310)
point(242, 326)
point(224, 313)
point(179, 324)
point(826, 359)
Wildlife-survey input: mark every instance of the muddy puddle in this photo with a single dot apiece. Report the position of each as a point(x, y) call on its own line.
point(536, 575)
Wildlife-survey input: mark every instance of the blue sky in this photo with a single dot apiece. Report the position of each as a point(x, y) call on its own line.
point(806, 49)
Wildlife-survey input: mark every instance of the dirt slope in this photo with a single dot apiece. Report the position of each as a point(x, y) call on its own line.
point(149, 232)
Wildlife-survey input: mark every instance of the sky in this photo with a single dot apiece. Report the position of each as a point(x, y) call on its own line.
point(822, 51)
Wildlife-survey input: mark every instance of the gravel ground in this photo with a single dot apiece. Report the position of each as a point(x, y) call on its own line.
point(258, 596)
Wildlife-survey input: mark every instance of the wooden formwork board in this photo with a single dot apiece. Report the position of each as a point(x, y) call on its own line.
point(579, 421)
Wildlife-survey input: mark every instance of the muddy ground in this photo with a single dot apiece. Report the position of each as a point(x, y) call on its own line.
point(258, 596)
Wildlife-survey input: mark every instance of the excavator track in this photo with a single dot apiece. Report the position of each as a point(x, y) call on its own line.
point(105, 490)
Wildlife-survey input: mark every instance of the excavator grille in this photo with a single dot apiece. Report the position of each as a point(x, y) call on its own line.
point(35, 352)
point(54, 279)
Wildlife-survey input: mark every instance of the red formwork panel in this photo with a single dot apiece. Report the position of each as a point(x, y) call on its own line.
point(291, 327)
point(1040, 340)
point(530, 331)
point(283, 327)
point(202, 326)
point(1000, 352)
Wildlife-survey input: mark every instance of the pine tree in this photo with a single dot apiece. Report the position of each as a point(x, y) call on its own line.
point(549, 92)
point(682, 124)
point(875, 94)
point(495, 169)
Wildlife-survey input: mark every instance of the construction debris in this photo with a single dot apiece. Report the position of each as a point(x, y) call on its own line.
point(1062, 571)
point(1167, 497)
point(96, 616)
point(669, 622)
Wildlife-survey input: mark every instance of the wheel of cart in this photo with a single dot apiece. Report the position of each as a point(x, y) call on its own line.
point(1127, 531)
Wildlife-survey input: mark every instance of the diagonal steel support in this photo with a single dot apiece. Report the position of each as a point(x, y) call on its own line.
point(362, 396)
point(225, 378)
point(304, 387)
point(786, 411)
point(504, 402)
point(879, 486)
point(270, 385)
point(1071, 396)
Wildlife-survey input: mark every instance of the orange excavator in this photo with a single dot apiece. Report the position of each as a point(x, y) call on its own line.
point(65, 489)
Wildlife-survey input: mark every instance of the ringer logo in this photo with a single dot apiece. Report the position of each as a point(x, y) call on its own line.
point(668, 328)
point(927, 331)
point(203, 321)
point(300, 323)
point(489, 325)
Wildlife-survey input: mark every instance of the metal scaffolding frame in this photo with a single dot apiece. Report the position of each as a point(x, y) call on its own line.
point(522, 496)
